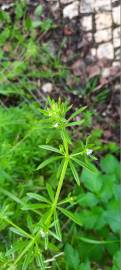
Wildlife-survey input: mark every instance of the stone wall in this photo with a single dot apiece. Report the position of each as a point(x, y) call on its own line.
point(98, 23)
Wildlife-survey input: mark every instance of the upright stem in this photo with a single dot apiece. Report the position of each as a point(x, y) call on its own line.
point(60, 184)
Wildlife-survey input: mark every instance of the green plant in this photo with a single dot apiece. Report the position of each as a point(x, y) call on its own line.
point(25, 56)
point(37, 206)
point(51, 204)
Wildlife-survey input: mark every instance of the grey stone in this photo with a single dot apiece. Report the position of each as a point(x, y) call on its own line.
point(103, 20)
point(116, 15)
point(103, 35)
point(87, 6)
point(105, 72)
point(87, 23)
point(66, 1)
point(105, 51)
point(71, 10)
point(104, 5)
point(47, 87)
point(116, 36)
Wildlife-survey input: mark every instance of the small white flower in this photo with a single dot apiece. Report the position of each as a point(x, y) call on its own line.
point(43, 234)
point(56, 125)
point(89, 152)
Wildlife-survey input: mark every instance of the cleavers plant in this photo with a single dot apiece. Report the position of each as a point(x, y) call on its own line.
point(30, 251)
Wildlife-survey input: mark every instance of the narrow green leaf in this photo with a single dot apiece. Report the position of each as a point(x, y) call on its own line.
point(19, 232)
point(40, 262)
point(71, 216)
point(60, 168)
point(50, 191)
point(34, 206)
point(76, 123)
point(77, 112)
point(28, 259)
point(11, 196)
point(75, 173)
point(47, 161)
point(85, 165)
point(37, 197)
point(57, 226)
point(50, 148)
point(96, 242)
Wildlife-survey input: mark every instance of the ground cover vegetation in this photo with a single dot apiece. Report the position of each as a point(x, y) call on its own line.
point(59, 184)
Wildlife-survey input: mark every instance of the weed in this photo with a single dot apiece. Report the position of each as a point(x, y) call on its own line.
point(38, 162)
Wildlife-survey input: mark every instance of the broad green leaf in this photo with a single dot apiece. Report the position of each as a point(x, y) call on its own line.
point(110, 165)
point(71, 216)
point(85, 266)
point(93, 218)
point(112, 216)
point(50, 148)
point(75, 173)
point(38, 10)
point(87, 199)
point(108, 187)
point(47, 161)
point(72, 259)
point(117, 261)
point(36, 23)
point(92, 182)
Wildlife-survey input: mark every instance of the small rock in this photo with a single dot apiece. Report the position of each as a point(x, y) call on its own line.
point(87, 6)
point(116, 64)
point(78, 67)
point(107, 133)
point(7, 6)
point(89, 36)
point(71, 10)
point(93, 70)
point(65, 1)
point(47, 87)
point(93, 51)
point(105, 72)
point(114, 70)
point(116, 42)
point(116, 15)
point(116, 36)
point(104, 5)
point(103, 81)
point(103, 20)
point(104, 63)
point(103, 35)
point(67, 30)
point(87, 23)
point(105, 51)
point(118, 54)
